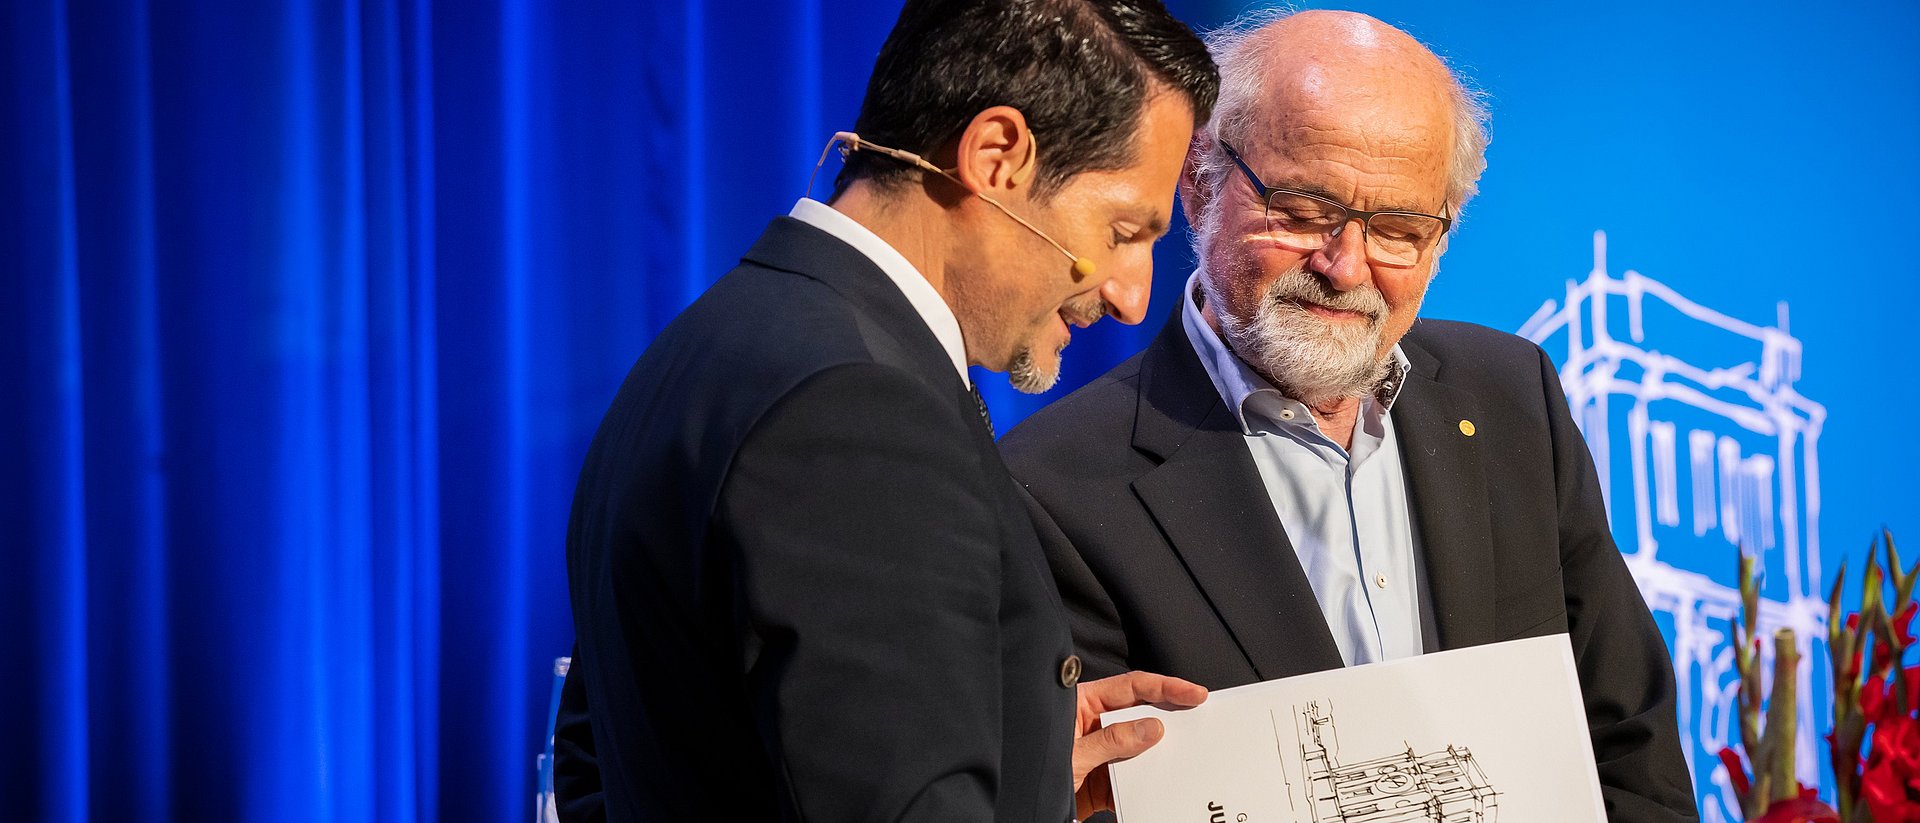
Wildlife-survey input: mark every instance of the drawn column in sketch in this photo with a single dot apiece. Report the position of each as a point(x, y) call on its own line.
point(1702, 445)
point(1445, 786)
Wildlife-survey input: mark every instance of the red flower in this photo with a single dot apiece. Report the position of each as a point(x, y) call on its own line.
point(1887, 651)
point(1913, 682)
point(1890, 784)
point(1736, 771)
point(1873, 698)
point(1802, 809)
point(1877, 702)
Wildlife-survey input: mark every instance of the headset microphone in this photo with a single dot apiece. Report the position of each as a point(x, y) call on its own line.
point(850, 142)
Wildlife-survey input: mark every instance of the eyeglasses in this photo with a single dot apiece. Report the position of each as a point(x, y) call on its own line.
point(1308, 222)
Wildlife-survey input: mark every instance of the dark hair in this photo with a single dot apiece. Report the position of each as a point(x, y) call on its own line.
point(1078, 70)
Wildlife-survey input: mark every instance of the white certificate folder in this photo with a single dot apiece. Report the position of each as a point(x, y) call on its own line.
point(1478, 735)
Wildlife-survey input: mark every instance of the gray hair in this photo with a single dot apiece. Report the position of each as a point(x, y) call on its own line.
point(1242, 58)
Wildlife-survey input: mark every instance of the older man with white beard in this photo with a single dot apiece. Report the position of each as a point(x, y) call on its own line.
point(1297, 474)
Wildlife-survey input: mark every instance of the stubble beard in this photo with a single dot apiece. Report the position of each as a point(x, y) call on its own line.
point(1025, 372)
point(1029, 378)
point(1312, 360)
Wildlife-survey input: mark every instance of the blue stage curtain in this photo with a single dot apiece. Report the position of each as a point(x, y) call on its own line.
point(308, 311)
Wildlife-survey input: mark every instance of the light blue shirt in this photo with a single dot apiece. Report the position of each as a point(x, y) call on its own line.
point(1345, 510)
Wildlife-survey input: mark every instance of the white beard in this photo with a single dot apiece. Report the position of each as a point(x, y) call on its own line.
point(1028, 378)
point(1312, 360)
point(1026, 375)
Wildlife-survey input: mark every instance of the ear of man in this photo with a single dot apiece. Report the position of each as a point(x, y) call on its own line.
point(1194, 196)
point(996, 154)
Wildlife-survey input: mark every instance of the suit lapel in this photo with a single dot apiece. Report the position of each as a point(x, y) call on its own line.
point(1209, 500)
point(1447, 487)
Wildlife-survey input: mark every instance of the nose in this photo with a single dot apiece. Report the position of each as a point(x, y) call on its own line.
point(1128, 291)
point(1343, 260)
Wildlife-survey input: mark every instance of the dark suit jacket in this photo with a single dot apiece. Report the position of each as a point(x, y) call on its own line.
point(804, 585)
point(1171, 559)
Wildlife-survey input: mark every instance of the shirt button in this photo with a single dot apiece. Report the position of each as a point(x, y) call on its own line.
point(1380, 580)
point(1070, 671)
point(1286, 414)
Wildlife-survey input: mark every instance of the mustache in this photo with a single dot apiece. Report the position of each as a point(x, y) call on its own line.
point(1085, 312)
point(1299, 286)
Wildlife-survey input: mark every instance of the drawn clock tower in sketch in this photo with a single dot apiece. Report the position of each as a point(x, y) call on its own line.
point(1702, 445)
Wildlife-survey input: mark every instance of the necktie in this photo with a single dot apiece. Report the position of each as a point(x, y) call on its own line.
point(982, 404)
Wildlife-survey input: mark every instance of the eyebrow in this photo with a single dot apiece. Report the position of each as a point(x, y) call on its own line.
point(1153, 223)
point(1323, 193)
point(1157, 225)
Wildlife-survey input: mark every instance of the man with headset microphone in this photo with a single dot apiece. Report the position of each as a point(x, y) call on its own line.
point(803, 584)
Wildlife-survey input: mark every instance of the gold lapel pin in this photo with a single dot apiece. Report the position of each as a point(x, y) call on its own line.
point(1466, 427)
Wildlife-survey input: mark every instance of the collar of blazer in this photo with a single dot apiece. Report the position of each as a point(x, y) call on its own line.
point(1208, 497)
point(792, 246)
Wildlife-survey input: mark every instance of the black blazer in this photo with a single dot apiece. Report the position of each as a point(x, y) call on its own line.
point(1170, 557)
point(803, 584)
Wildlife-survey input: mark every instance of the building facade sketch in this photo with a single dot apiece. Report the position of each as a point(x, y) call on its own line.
point(1704, 447)
point(1444, 786)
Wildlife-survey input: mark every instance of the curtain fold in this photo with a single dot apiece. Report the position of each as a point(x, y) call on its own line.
point(308, 311)
point(224, 497)
point(43, 591)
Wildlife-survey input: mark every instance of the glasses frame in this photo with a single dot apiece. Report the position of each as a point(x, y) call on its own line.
point(1365, 217)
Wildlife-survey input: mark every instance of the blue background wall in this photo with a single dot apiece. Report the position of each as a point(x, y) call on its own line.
point(309, 308)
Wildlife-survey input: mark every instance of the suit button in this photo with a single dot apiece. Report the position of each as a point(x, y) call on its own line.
point(1070, 671)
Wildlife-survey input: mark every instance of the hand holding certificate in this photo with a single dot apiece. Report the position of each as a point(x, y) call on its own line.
point(1097, 743)
point(1467, 736)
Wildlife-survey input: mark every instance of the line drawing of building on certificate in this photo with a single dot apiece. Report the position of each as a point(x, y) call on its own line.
point(1702, 444)
point(1443, 786)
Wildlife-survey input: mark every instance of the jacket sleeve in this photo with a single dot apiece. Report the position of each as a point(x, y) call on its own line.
point(1625, 670)
point(865, 553)
point(576, 769)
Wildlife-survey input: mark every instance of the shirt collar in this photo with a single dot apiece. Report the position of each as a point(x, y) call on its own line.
point(1241, 388)
point(933, 310)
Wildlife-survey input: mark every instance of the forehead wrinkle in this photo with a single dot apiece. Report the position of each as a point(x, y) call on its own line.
point(1365, 143)
point(1369, 172)
point(1370, 133)
point(1383, 103)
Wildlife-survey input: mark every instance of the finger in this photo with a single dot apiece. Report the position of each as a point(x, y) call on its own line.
point(1114, 743)
point(1136, 688)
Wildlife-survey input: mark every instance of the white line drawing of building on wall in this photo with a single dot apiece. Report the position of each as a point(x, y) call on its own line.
point(1698, 432)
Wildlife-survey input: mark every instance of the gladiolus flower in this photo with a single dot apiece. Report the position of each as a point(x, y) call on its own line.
point(1890, 784)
